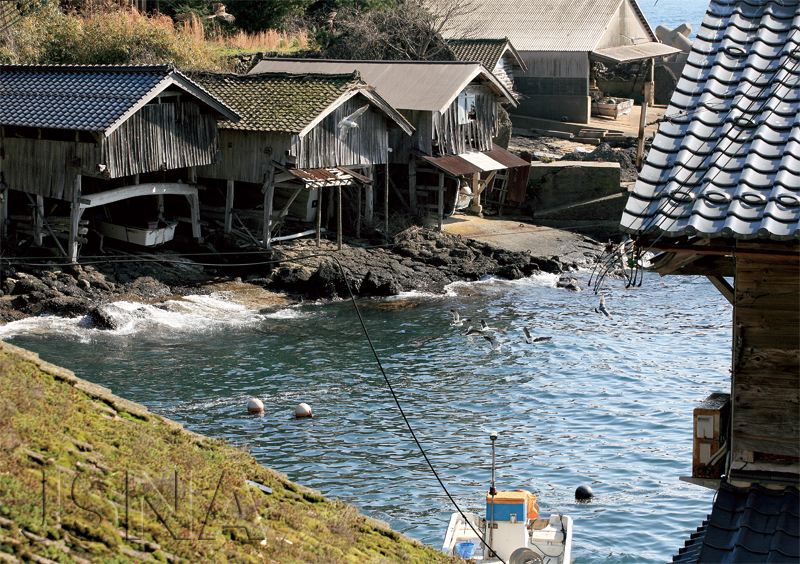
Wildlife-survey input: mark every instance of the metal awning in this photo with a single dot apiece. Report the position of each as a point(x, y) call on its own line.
point(476, 161)
point(321, 177)
point(631, 53)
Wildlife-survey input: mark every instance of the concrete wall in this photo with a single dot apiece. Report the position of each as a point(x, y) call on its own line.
point(564, 183)
point(576, 109)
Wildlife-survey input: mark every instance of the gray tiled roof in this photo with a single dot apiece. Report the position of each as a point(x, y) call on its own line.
point(484, 51)
point(750, 525)
point(728, 161)
point(85, 97)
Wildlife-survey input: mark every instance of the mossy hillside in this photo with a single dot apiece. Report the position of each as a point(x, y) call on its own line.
point(86, 476)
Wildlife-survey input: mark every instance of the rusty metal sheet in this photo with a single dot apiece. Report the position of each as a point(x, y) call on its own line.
point(505, 158)
point(327, 176)
point(453, 164)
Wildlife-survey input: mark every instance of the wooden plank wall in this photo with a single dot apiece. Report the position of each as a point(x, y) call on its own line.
point(244, 155)
point(476, 135)
point(364, 145)
point(421, 139)
point(766, 364)
point(161, 136)
point(42, 167)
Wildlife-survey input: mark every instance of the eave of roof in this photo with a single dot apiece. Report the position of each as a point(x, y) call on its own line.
point(632, 53)
point(727, 162)
point(486, 51)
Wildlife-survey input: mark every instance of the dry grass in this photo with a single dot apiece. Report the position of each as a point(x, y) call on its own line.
point(269, 40)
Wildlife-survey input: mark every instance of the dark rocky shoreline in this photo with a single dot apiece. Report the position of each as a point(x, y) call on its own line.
point(418, 259)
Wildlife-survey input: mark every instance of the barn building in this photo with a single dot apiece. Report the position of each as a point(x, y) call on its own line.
point(79, 137)
point(497, 55)
point(453, 107)
point(300, 134)
point(558, 41)
point(719, 196)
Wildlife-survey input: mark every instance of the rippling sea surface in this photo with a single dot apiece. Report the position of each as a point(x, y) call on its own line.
point(673, 13)
point(607, 402)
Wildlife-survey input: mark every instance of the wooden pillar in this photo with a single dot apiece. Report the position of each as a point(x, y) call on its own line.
point(38, 215)
point(192, 175)
point(136, 179)
point(319, 216)
point(339, 217)
point(194, 209)
point(640, 143)
point(331, 208)
point(358, 211)
point(441, 201)
point(386, 199)
point(229, 207)
point(476, 189)
point(74, 220)
point(6, 194)
point(160, 205)
point(269, 195)
point(370, 201)
point(412, 184)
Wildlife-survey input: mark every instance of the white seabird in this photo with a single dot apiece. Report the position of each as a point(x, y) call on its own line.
point(496, 345)
point(471, 331)
point(529, 339)
point(602, 307)
point(458, 321)
point(348, 123)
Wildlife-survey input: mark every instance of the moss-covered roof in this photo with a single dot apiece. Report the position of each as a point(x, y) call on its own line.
point(86, 476)
point(277, 101)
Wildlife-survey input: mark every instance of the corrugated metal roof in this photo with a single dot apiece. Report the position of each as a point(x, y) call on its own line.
point(335, 176)
point(407, 85)
point(728, 161)
point(554, 25)
point(631, 53)
point(476, 161)
point(87, 97)
point(751, 525)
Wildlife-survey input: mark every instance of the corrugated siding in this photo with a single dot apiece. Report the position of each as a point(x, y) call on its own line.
point(476, 135)
point(161, 135)
point(364, 145)
point(766, 372)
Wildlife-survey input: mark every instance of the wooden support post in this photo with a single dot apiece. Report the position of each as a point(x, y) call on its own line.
point(476, 199)
point(339, 218)
point(370, 201)
point(192, 175)
point(412, 184)
point(642, 122)
point(441, 201)
point(229, 207)
point(74, 220)
point(386, 199)
point(194, 209)
point(38, 217)
point(358, 211)
point(6, 194)
point(331, 208)
point(724, 288)
point(269, 195)
point(319, 216)
point(136, 179)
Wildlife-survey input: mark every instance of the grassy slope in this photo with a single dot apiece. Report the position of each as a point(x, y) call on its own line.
point(85, 442)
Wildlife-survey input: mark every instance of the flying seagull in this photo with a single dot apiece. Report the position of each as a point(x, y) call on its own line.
point(530, 340)
point(471, 331)
point(458, 321)
point(633, 39)
point(349, 122)
point(602, 307)
point(496, 345)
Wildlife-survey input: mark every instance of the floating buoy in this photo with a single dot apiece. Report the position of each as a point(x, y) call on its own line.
point(303, 410)
point(584, 492)
point(255, 405)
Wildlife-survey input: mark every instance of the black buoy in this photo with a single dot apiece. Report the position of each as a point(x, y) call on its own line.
point(584, 493)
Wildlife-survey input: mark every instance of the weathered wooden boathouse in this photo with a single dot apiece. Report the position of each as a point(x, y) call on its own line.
point(79, 137)
point(559, 41)
point(300, 134)
point(719, 196)
point(453, 107)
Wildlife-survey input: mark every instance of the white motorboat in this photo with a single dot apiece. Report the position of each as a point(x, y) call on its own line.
point(511, 532)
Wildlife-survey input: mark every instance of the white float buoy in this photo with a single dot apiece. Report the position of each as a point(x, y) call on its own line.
point(303, 410)
point(255, 405)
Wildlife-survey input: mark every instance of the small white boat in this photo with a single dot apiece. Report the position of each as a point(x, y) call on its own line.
point(511, 532)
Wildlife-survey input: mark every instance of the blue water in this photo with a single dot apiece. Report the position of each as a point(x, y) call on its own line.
point(606, 403)
point(673, 13)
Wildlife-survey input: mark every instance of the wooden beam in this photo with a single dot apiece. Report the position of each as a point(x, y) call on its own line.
point(155, 189)
point(319, 216)
point(358, 210)
point(339, 217)
point(194, 208)
point(724, 288)
point(673, 262)
point(74, 220)
point(370, 204)
point(38, 217)
point(269, 194)
point(412, 185)
point(440, 210)
point(476, 191)
point(229, 207)
point(386, 198)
